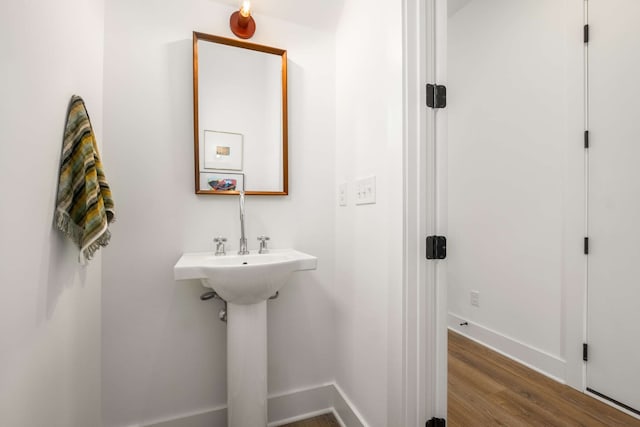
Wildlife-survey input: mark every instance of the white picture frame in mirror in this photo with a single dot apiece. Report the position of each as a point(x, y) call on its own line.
point(221, 151)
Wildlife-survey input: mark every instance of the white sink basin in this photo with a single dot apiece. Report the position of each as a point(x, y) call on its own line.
point(244, 279)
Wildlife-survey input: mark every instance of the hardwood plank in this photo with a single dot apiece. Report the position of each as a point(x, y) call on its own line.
point(488, 389)
point(326, 420)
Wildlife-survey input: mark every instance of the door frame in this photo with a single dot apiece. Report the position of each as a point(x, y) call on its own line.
point(424, 290)
point(425, 211)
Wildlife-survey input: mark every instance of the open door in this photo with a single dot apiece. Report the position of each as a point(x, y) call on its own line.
point(613, 321)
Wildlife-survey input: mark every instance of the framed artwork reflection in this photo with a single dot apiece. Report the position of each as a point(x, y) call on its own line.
point(223, 150)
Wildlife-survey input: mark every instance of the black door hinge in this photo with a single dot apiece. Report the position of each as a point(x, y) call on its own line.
point(436, 247)
point(586, 139)
point(436, 422)
point(586, 34)
point(585, 352)
point(586, 246)
point(436, 96)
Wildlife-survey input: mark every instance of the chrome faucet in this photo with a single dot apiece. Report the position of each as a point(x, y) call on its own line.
point(219, 241)
point(263, 245)
point(243, 240)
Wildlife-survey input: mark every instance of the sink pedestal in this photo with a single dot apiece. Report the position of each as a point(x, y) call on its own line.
point(245, 282)
point(247, 365)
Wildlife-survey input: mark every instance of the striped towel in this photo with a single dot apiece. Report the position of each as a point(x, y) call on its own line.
point(84, 208)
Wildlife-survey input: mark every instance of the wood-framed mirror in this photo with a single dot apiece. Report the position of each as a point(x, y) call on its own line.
point(240, 117)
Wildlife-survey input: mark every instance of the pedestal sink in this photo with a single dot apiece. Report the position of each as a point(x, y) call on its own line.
point(245, 282)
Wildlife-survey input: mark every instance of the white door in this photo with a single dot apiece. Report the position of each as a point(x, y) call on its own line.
point(613, 323)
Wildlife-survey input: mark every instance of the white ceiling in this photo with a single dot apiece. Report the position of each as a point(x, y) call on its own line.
point(319, 14)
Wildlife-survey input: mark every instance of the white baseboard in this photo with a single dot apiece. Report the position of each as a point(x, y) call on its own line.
point(347, 413)
point(215, 417)
point(284, 408)
point(536, 359)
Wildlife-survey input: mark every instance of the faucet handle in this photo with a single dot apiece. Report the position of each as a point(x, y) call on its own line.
point(263, 244)
point(220, 241)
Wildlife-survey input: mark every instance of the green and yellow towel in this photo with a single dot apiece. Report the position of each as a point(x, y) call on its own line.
point(85, 207)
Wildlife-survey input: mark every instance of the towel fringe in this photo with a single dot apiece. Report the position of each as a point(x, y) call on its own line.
point(68, 227)
point(72, 231)
point(101, 242)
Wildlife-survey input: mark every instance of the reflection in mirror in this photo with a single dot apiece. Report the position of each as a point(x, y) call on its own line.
point(240, 117)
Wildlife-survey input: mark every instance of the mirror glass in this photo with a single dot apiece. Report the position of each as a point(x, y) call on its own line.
point(240, 117)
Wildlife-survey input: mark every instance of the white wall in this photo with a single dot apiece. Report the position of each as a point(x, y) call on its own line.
point(368, 243)
point(49, 305)
point(164, 350)
point(509, 133)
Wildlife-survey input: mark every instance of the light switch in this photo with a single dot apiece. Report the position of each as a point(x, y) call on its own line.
point(366, 191)
point(342, 194)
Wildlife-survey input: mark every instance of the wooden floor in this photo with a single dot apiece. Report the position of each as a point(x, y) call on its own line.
point(488, 389)
point(327, 420)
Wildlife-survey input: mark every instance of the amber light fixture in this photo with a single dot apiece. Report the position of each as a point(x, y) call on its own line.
point(241, 22)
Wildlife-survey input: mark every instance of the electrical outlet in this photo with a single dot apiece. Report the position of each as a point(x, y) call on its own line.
point(366, 191)
point(475, 298)
point(342, 194)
